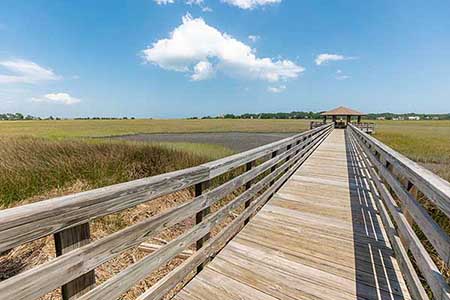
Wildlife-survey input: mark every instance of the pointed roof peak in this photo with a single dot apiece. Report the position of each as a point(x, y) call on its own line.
point(342, 111)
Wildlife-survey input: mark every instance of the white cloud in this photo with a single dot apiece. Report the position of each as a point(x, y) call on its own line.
point(276, 89)
point(253, 38)
point(58, 98)
point(250, 4)
point(194, 41)
point(24, 71)
point(326, 57)
point(203, 70)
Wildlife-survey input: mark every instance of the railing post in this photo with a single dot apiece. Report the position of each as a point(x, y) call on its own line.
point(289, 156)
point(298, 150)
point(66, 241)
point(199, 188)
point(272, 169)
point(248, 167)
point(412, 190)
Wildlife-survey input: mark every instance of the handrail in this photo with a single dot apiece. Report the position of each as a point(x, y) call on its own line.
point(398, 180)
point(30, 222)
point(68, 218)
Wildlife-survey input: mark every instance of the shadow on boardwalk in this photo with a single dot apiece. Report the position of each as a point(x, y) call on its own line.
point(375, 275)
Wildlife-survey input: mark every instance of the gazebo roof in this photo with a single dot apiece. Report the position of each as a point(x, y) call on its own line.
point(342, 111)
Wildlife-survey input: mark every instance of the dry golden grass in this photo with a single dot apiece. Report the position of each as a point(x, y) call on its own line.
point(100, 128)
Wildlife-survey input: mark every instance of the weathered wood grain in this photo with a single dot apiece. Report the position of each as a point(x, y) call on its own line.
point(415, 286)
point(423, 260)
point(66, 241)
point(435, 188)
point(434, 233)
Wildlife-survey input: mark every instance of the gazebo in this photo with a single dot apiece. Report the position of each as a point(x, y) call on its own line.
point(341, 116)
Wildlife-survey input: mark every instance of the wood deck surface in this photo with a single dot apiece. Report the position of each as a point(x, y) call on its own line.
point(319, 237)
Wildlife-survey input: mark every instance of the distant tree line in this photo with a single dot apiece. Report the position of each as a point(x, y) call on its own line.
point(278, 115)
point(16, 116)
point(316, 115)
point(20, 117)
point(105, 118)
point(392, 116)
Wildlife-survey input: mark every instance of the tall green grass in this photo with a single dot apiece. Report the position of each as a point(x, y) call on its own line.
point(31, 166)
point(426, 142)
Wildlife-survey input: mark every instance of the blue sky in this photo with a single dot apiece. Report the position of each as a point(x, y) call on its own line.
point(146, 58)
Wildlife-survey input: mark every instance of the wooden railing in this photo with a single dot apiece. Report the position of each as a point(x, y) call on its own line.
point(366, 127)
point(316, 124)
point(67, 219)
point(404, 186)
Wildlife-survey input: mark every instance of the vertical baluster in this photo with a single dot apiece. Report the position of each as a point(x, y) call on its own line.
point(248, 167)
point(272, 169)
point(287, 149)
point(66, 241)
point(298, 150)
point(199, 188)
point(412, 190)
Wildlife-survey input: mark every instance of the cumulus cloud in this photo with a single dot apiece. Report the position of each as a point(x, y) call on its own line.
point(326, 57)
point(24, 71)
point(250, 4)
point(203, 70)
point(276, 89)
point(57, 98)
point(196, 48)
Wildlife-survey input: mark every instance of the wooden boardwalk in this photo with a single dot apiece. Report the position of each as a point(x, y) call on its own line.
point(319, 237)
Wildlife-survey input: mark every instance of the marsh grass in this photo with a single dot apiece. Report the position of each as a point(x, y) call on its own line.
point(31, 166)
point(428, 143)
point(103, 128)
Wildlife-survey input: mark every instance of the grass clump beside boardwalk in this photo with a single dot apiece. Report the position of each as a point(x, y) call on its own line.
point(426, 142)
point(101, 128)
point(31, 167)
